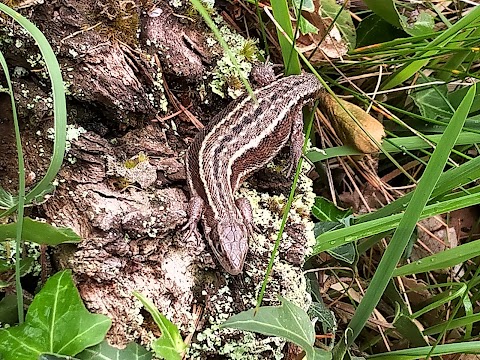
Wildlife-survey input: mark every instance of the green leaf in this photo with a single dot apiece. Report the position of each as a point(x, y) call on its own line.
point(170, 345)
point(320, 354)
point(408, 328)
point(457, 96)
point(39, 232)
point(332, 217)
point(325, 210)
point(432, 101)
point(307, 5)
point(57, 322)
point(423, 25)
point(55, 357)
point(346, 252)
point(375, 30)
point(343, 21)
point(324, 315)
point(385, 9)
point(306, 27)
point(104, 351)
point(8, 309)
point(287, 321)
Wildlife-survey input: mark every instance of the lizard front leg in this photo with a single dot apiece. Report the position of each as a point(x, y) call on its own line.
point(296, 138)
point(194, 211)
point(246, 211)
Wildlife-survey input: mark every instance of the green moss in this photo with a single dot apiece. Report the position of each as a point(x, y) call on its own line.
point(120, 20)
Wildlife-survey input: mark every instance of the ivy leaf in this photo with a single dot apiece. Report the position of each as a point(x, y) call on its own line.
point(39, 232)
point(8, 309)
point(307, 5)
point(432, 101)
point(346, 252)
point(325, 210)
point(386, 9)
point(325, 316)
point(170, 345)
point(57, 322)
point(104, 351)
point(423, 25)
point(287, 321)
point(375, 30)
point(344, 22)
point(306, 27)
point(331, 217)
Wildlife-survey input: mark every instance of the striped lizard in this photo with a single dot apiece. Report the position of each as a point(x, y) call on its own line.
point(241, 139)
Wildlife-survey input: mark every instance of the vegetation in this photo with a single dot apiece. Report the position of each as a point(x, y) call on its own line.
point(426, 167)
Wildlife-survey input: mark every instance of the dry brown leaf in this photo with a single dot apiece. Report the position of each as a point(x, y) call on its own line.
point(347, 129)
point(332, 45)
point(321, 44)
point(434, 236)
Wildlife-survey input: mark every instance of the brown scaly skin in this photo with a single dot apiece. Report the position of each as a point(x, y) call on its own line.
point(241, 139)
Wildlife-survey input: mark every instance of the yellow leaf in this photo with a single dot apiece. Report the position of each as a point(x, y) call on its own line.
point(347, 129)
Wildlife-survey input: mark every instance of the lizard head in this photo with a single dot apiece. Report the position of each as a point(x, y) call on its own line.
point(229, 242)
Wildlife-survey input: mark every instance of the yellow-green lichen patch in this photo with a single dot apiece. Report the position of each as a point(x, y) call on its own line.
point(226, 78)
point(230, 343)
point(287, 278)
point(134, 170)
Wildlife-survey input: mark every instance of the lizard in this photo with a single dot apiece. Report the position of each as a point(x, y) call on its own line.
point(239, 140)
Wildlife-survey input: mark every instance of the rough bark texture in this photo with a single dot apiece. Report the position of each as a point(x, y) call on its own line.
point(123, 186)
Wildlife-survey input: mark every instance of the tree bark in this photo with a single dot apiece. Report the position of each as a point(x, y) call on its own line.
point(122, 187)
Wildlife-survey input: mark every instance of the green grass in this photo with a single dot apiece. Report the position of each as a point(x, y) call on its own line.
point(44, 186)
point(445, 183)
point(431, 113)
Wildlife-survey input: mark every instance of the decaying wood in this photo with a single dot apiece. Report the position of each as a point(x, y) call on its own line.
point(123, 186)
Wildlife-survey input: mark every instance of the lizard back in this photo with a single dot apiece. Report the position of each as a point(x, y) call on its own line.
point(244, 137)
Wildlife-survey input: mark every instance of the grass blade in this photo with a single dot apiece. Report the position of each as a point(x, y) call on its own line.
point(289, 54)
point(407, 224)
point(332, 239)
point(59, 106)
point(21, 192)
point(449, 35)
